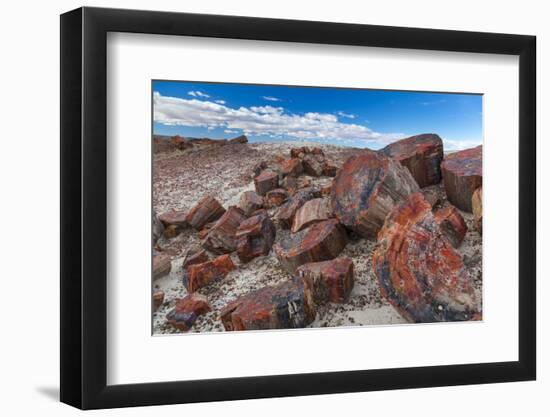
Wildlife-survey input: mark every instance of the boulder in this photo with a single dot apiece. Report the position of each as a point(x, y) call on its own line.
point(258, 168)
point(290, 184)
point(266, 181)
point(299, 152)
point(328, 281)
point(161, 265)
point(367, 188)
point(421, 154)
point(205, 211)
point(200, 275)
point(477, 209)
point(239, 139)
point(249, 202)
point(329, 170)
point(292, 167)
point(255, 236)
point(194, 256)
point(452, 224)
point(312, 211)
point(158, 299)
point(174, 218)
point(418, 270)
point(276, 197)
point(285, 216)
point(320, 242)
point(313, 164)
point(462, 175)
point(157, 229)
point(187, 310)
point(283, 306)
point(221, 237)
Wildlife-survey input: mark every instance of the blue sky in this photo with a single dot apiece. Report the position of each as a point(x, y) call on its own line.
point(347, 117)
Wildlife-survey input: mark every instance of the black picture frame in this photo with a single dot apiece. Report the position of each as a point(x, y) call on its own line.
point(84, 207)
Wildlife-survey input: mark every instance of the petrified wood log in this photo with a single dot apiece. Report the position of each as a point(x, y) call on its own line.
point(205, 211)
point(174, 217)
point(452, 224)
point(328, 281)
point(157, 229)
point(313, 164)
point(266, 181)
point(320, 242)
point(367, 188)
point(158, 299)
point(418, 270)
point(286, 213)
point(462, 175)
point(221, 237)
point(193, 257)
point(292, 167)
point(312, 211)
point(200, 275)
point(276, 197)
point(161, 265)
point(255, 236)
point(187, 310)
point(329, 170)
point(283, 306)
point(477, 208)
point(421, 154)
point(239, 139)
point(249, 202)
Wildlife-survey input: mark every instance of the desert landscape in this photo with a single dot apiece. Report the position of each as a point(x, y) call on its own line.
point(257, 236)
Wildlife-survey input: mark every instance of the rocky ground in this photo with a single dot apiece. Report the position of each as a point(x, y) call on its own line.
point(182, 177)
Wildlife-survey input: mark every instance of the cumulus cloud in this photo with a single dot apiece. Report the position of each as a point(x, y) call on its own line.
point(220, 101)
point(198, 94)
point(271, 98)
point(262, 120)
point(347, 115)
point(450, 145)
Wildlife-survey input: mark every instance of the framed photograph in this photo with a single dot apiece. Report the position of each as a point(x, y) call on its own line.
point(257, 208)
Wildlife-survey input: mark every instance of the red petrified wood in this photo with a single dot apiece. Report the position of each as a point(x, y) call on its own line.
point(283, 306)
point(313, 164)
point(421, 154)
point(477, 209)
point(255, 236)
point(366, 189)
point(286, 213)
point(161, 265)
point(418, 270)
point(249, 202)
point(292, 167)
point(200, 275)
point(193, 257)
point(452, 224)
point(313, 211)
point(221, 237)
point(462, 175)
point(266, 181)
point(328, 281)
point(320, 242)
point(205, 211)
point(276, 197)
point(174, 217)
point(187, 310)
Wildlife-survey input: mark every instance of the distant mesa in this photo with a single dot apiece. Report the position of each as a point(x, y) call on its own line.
point(162, 143)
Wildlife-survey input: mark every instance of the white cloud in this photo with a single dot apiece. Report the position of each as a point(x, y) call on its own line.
point(220, 101)
point(348, 115)
point(229, 131)
point(458, 145)
point(198, 94)
point(262, 120)
point(271, 98)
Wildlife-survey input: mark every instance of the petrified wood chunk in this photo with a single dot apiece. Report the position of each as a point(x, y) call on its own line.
point(255, 236)
point(477, 208)
point(312, 211)
point(221, 237)
point(249, 202)
point(452, 224)
point(193, 257)
point(367, 188)
point(205, 211)
point(328, 281)
point(290, 184)
point(158, 299)
point(292, 167)
point(421, 154)
point(326, 189)
point(313, 164)
point(171, 231)
point(174, 217)
point(299, 152)
point(432, 196)
point(205, 229)
point(286, 213)
point(187, 310)
point(239, 139)
point(157, 229)
point(283, 306)
point(161, 265)
point(320, 242)
point(200, 275)
point(266, 181)
point(258, 168)
point(418, 270)
point(276, 197)
point(462, 175)
point(329, 170)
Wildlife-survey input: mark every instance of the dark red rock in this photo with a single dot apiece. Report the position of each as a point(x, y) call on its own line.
point(292, 167)
point(174, 217)
point(239, 139)
point(180, 143)
point(249, 202)
point(452, 224)
point(276, 197)
point(329, 170)
point(462, 175)
point(320, 242)
point(187, 310)
point(285, 216)
point(200, 275)
point(418, 270)
point(299, 152)
point(477, 209)
point(221, 237)
point(255, 236)
point(317, 151)
point(258, 168)
point(283, 306)
point(313, 164)
point(290, 184)
point(193, 257)
point(158, 299)
point(266, 181)
point(367, 188)
point(171, 231)
point(205, 229)
point(421, 154)
point(161, 265)
point(312, 211)
point(205, 211)
point(328, 281)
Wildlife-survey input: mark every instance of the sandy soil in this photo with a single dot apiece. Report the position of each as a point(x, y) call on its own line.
point(181, 178)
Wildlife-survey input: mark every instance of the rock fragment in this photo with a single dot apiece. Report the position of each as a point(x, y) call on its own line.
point(249, 202)
point(157, 229)
point(312, 211)
point(452, 224)
point(175, 218)
point(255, 237)
point(187, 310)
point(200, 275)
point(477, 209)
point(161, 265)
point(276, 197)
point(193, 257)
point(221, 237)
point(266, 181)
point(292, 167)
point(462, 175)
point(328, 281)
point(158, 299)
point(286, 213)
point(205, 211)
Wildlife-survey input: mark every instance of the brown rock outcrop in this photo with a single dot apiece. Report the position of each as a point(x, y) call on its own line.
point(328, 281)
point(205, 211)
point(255, 237)
point(462, 175)
point(221, 237)
point(200, 275)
